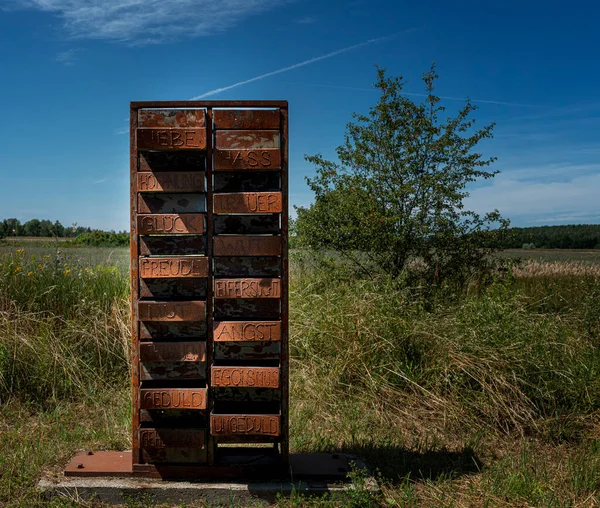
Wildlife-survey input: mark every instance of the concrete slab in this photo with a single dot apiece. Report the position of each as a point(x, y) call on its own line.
point(149, 491)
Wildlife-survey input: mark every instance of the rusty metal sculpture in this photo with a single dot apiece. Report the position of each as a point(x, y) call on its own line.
point(209, 288)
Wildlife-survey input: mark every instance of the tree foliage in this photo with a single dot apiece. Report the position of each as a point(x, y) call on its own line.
point(39, 228)
point(396, 193)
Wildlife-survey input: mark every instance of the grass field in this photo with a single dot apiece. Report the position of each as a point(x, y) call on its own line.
point(555, 255)
point(488, 398)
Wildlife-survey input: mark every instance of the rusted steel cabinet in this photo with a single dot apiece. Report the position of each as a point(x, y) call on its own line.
point(209, 285)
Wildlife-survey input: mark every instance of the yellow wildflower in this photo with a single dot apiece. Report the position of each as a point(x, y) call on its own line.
point(18, 269)
point(46, 258)
point(67, 271)
point(29, 274)
point(20, 251)
point(41, 266)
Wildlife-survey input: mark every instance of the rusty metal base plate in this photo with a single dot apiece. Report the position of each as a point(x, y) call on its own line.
point(116, 464)
point(152, 491)
point(319, 467)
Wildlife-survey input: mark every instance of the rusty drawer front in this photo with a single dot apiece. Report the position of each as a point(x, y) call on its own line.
point(247, 331)
point(171, 245)
point(247, 246)
point(246, 351)
point(170, 223)
point(158, 438)
point(245, 425)
point(173, 445)
point(247, 139)
point(192, 138)
point(260, 159)
point(173, 398)
point(248, 202)
point(172, 371)
point(246, 119)
point(245, 377)
point(171, 181)
point(266, 308)
point(171, 117)
point(173, 288)
point(173, 330)
point(251, 181)
point(190, 351)
point(181, 418)
point(246, 224)
point(250, 266)
point(171, 203)
point(247, 288)
point(172, 311)
point(170, 268)
point(247, 395)
point(172, 161)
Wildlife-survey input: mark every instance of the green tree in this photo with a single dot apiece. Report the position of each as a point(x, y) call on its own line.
point(13, 227)
point(396, 193)
point(58, 229)
point(32, 227)
point(45, 228)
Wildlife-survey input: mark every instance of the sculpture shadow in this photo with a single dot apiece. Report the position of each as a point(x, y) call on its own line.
point(395, 463)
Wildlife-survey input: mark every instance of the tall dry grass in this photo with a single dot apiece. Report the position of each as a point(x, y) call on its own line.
point(488, 361)
point(63, 327)
point(534, 268)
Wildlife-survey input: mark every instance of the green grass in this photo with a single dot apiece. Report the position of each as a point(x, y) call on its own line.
point(446, 398)
point(88, 256)
point(63, 326)
point(490, 399)
point(554, 255)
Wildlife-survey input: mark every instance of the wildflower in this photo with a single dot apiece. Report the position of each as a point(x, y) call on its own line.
point(29, 274)
point(67, 271)
point(46, 258)
point(18, 269)
point(20, 251)
point(41, 266)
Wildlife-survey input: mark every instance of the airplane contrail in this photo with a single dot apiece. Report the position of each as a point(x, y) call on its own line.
point(300, 64)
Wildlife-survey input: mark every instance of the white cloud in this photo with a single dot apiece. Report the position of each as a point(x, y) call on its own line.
point(307, 20)
point(147, 21)
point(575, 200)
point(69, 57)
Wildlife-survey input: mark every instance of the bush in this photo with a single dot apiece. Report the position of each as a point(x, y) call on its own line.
point(103, 239)
point(396, 192)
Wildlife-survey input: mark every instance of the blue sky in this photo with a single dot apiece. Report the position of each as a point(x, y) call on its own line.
point(68, 69)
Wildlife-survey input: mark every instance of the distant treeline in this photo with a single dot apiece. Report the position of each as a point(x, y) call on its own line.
point(48, 229)
point(41, 228)
point(581, 236)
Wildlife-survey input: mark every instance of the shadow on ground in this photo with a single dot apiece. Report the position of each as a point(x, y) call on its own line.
point(395, 463)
